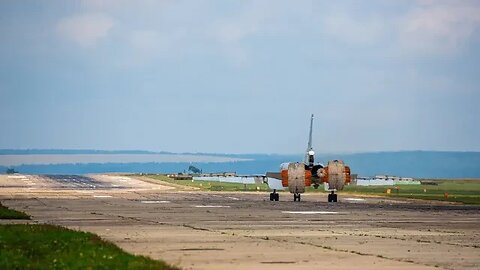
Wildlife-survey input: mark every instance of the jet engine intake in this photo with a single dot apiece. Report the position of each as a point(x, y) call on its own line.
point(295, 177)
point(336, 174)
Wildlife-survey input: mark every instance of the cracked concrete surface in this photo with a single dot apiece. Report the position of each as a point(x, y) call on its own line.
point(209, 230)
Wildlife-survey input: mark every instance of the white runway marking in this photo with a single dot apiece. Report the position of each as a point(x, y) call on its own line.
point(155, 201)
point(102, 196)
point(233, 198)
point(355, 199)
point(17, 176)
point(210, 206)
point(310, 212)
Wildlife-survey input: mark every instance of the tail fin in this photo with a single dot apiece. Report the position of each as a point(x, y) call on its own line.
point(310, 154)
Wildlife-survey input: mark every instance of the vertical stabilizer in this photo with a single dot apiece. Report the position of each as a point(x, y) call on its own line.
point(309, 155)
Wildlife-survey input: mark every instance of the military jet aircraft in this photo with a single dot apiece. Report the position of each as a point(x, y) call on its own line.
point(296, 176)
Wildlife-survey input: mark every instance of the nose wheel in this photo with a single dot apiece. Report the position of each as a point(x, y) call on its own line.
point(332, 197)
point(296, 197)
point(274, 196)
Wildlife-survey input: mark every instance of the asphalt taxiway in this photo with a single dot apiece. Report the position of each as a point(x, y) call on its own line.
point(214, 230)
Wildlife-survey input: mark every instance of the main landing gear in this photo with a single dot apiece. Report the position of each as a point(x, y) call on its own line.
point(332, 197)
point(274, 196)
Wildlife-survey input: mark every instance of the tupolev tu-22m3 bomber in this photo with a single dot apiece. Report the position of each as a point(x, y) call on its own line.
point(296, 176)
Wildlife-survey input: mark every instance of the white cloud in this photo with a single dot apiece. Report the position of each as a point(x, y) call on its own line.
point(253, 19)
point(85, 29)
point(356, 31)
point(148, 40)
point(229, 33)
point(147, 46)
point(423, 27)
point(439, 26)
point(170, 28)
point(233, 32)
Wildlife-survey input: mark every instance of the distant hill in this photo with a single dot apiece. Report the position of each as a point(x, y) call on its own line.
point(420, 164)
point(73, 152)
point(66, 152)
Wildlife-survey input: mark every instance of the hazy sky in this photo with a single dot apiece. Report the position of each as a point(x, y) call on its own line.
point(240, 76)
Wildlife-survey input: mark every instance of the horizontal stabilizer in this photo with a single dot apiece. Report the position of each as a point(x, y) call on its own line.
point(274, 183)
point(275, 175)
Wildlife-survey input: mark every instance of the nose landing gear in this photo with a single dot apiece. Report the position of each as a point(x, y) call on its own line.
point(332, 197)
point(274, 196)
point(296, 197)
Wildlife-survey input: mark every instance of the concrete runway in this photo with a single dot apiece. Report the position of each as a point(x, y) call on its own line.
point(209, 230)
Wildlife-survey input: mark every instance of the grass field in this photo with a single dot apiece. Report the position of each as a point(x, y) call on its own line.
point(51, 247)
point(467, 192)
point(6, 213)
point(212, 185)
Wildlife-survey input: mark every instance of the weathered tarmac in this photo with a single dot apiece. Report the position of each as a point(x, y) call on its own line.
point(209, 230)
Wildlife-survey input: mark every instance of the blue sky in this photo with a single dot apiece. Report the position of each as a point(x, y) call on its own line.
point(240, 76)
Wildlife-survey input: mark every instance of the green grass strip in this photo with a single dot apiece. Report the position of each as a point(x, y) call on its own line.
point(212, 185)
point(6, 213)
point(467, 192)
point(28, 246)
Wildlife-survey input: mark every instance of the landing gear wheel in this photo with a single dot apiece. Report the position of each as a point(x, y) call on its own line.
point(332, 197)
point(296, 197)
point(274, 196)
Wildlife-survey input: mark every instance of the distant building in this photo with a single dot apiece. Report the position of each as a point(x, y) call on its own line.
point(386, 180)
point(220, 174)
